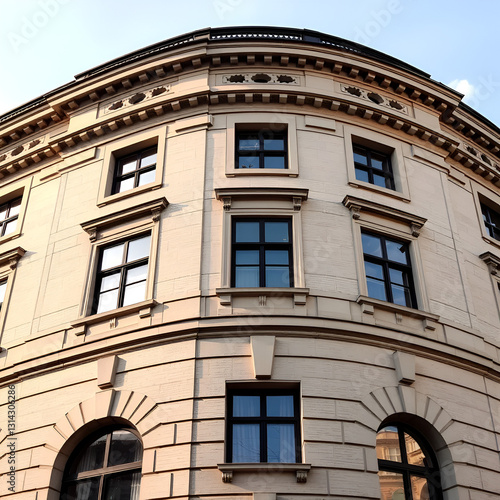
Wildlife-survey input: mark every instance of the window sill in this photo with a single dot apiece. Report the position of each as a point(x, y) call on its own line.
point(299, 294)
point(369, 304)
point(300, 470)
point(262, 171)
point(144, 309)
point(129, 193)
point(385, 191)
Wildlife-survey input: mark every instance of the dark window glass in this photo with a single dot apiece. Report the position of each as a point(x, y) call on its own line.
point(106, 466)
point(388, 270)
point(135, 170)
point(491, 220)
point(122, 274)
point(407, 466)
point(9, 213)
point(262, 253)
point(261, 149)
point(373, 167)
point(263, 426)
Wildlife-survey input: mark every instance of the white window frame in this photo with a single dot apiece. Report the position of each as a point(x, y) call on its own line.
point(124, 225)
point(238, 121)
point(383, 144)
point(483, 196)
point(123, 147)
point(264, 203)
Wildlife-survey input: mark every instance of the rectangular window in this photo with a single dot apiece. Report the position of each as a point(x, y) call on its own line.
point(373, 167)
point(3, 289)
point(135, 170)
point(263, 426)
point(261, 149)
point(491, 220)
point(262, 253)
point(122, 274)
point(388, 270)
point(9, 213)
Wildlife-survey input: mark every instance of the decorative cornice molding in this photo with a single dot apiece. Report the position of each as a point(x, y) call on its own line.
point(11, 257)
point(492, 261)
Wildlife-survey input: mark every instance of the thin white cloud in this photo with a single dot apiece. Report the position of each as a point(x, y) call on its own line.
point(464, 87)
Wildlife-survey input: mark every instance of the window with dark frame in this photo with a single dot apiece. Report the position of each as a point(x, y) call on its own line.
point(373, 167)
point(9, 213)
point(262, 252)
point(263, 426)
point(491, 220)
point(264, 148)
point(122, 274)
point(408, 468)
point(388, 270)
point(135, 170)
point(107, 465)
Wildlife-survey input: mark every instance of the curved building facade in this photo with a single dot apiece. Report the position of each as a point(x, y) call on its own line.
point(250, 263)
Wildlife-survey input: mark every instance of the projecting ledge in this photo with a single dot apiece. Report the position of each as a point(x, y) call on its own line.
point(300, 470)
point(226, 294)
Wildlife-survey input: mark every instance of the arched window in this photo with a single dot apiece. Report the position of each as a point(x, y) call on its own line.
point(105, 466)
point(408, 468)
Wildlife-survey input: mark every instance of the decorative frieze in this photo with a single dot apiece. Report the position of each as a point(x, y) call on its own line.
point(374, 97)
point(135, 98)
point(251, 78)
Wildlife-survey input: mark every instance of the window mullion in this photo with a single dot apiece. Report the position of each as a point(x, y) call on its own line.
point(263, 430)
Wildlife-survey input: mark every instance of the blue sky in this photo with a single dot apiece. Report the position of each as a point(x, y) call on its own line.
point(46, 42)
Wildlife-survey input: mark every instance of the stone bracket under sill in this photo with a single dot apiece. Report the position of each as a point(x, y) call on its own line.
point(226, 294)
point(144, 309)
point(369, 304)
point(228, 470)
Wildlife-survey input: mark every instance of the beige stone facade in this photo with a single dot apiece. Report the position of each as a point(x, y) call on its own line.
point(207, 316)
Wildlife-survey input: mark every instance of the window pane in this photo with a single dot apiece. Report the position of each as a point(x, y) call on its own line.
point(247, 232)
point(129, 165)
point(377, 163)
point(379, 180)
point(3, 288)
point(277, 257)
point(376, 289)
point(139, 249)
point(391, 486)
point(274, 162)
point(246, 406)
point(397, 251)
point(374, 270)
point(277, 276)
point(247, 257)
point(371, 245)
point(246, 277)
point(279, 406)
point(360, 157)
point(15, 207)
point(149, 159)
point(147, 177)
point(246, 443)
point(137, 274)
point(92, 458)
point(414, 452)
point(281, 443)
point(388, 444)
point(248, 162)
point(361, 175)
point(3, 211)
point(125, 185)
point(124, 486)
point(249, 144)
point(398, 277)
point(419, 488)
point(276, 232)
point(85, 489)
point(134, 293)
point(10, 226)
point(112, 256)
point(107, 301)
point(110, 282)
point(401, 295)
point(274, 144)
point(125, 448)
